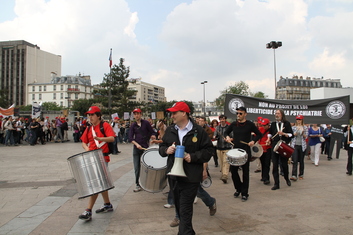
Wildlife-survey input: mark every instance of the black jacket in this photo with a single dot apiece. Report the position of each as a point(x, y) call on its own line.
point(287, 129)
point(200, 151)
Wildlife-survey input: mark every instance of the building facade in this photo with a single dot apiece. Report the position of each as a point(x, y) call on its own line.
point(146, 92)
point(22, 63)
point(297, 88)
point(61, 90)
point(211, 109)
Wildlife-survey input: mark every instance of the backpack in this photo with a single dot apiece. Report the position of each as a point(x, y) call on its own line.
point(101, 128)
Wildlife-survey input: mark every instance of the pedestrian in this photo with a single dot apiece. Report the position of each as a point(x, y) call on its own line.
point(264, 128)
point(198, 150)
point(242, 130)
point(349, 147)
point(315, 133)
point(300, 133)
point(222, 147)
point(93, 139)
point(280, 129)
point(140, 134)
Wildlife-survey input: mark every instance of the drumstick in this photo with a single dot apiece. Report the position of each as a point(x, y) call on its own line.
point(143, 148)
point(243, 142)
point(276, 134)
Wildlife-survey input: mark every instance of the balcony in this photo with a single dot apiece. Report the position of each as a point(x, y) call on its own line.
point(73, 89)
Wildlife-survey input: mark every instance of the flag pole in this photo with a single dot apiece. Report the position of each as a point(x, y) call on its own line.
point(110, 80)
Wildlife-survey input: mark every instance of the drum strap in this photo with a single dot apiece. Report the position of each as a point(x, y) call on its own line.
point(96, 141)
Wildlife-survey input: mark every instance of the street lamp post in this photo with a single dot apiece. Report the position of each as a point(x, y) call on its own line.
point(274, 45)
point(204, 100)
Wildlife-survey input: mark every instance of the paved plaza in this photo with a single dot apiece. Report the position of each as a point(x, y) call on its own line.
point(38, 196)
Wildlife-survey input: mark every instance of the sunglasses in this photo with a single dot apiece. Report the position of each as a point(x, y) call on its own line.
point(240, 114)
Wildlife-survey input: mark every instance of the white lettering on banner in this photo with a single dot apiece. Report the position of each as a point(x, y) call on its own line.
point(305, 113)
point(260, 111)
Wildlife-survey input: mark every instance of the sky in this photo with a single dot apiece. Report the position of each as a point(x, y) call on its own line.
point(177, 44)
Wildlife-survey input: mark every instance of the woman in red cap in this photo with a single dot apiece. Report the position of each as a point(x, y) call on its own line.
point(300, 132)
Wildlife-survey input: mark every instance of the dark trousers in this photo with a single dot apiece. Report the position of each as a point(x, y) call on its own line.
point(215, 157)
point(298, 156)
point(116, 140)
point(349, 162)
point(284, 165)
point(184, 195)
point(327, 146)
point(265, 165)
point(241, 186)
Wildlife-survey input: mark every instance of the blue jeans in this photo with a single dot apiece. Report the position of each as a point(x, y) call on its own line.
point(9, 136)
point(205, 197)
point(136, 154)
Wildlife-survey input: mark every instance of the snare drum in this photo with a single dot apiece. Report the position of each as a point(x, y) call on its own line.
point(153, 171)
point(283, 149)
point(237, 157)
point(90, 173)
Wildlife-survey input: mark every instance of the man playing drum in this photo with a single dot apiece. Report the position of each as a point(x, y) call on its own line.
point(279, 130)
point(140, 133)
point(198, 150)
point(242, 130)
point(93, 139)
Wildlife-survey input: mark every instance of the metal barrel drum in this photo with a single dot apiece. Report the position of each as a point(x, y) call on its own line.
point(153, 171)
point(90, 172)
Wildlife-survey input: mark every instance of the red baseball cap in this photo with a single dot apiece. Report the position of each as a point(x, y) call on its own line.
point(47, 117)
point(1, 116)
point(259, 119)
point(116, 118)
point(93, 109)
point(137, 111)
point(265, 121)
point(179, 106)
point(299, 117)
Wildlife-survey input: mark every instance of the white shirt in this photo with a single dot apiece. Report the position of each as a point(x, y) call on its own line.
point(183, 132)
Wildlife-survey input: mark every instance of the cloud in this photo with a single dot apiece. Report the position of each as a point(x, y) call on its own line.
point(221, 42)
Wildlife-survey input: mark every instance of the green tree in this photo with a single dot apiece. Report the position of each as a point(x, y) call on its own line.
point(4, 101)
point(116, 84)
point(259, 94)
point(239, 88)
point(82, 105)
point(51, 106)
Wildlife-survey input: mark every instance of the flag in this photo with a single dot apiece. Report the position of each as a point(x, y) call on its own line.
point(36, 109)
point(7, 112)
point(110, 59)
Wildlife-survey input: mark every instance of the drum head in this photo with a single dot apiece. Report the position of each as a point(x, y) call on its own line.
point(256, 150)
point(207, 182)
point(152, 159)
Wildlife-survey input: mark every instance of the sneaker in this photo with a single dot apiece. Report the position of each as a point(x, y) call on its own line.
point(86, 215)
point(175, 222)
point(294, 178)
point(168, 206)
point(213, 208)
point(105, 208)
point(301, 177)
point(195, 200)
point(137, 189)
point(244, 198)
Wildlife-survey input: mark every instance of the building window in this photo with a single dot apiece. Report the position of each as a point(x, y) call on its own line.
point(61, 95)
point(69, 86)
point(33, 96)
point(45, 88)
point(40, 88)
point(33, 88)
point(61, 103)
point(76, 96)
point(61, 87)
point(40, 96)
